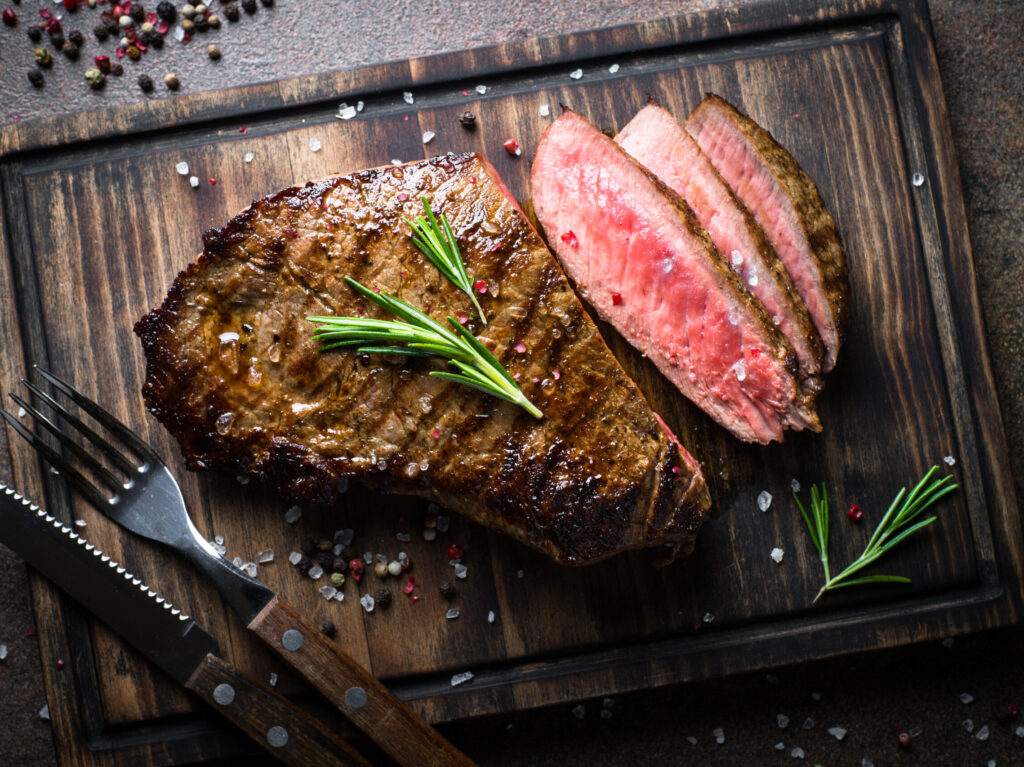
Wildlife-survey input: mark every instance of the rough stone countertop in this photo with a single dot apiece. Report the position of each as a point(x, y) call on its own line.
point(873, 696)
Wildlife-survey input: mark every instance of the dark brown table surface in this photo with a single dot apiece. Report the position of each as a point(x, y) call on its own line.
point(874, 696)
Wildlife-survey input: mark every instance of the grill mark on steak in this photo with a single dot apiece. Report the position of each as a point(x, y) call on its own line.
point(787, 205)
point(596, 476)
point(679, 301)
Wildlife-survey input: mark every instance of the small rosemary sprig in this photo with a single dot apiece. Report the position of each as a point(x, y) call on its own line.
point(423, 337)
point(894, 528)
point(437, 243)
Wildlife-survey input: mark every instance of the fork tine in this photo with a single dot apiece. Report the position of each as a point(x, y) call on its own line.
point(127, 435)
point(109, 450)
point(83, 455)
point(57, 460)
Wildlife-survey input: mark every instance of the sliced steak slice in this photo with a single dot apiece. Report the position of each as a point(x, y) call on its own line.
point(638, 254)
point(659, 142)
point(786, 204)
point(232, 372)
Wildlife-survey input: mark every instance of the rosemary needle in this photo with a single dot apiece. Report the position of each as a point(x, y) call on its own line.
point(422, 337)
point(437, 242)
point(896, 525)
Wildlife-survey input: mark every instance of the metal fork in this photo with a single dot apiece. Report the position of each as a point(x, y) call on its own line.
point(148, 501)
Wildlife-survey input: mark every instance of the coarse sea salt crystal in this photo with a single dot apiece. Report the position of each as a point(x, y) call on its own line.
point(340, 596)
point(267, 555)
point(452, 613)
point(719, 734)
point(949, 460)
point(968, 724)
point(328, 592)
point(579, 711)
point(777, 554)
point(1019, 732)
point(782, 720)
point(367, 601)
point(808, 723)
point(837, 732)
point(80, 523)
point(345, 112)
point(428, 136)
point(966, 697)
point(605, 713)
point(915, 731)
point(396, 162)
point(248, 157)
point(407, 97)
point(193, 181)
point(795, 485)
point(576, 74)
point(273, 679)
point(292, 515)
point(238, 562)
point(182, 168)
point(917, 179)
point(314, 144)
point(490, 616)
point(344, 536)
point(3, 652)
point(737, 258)
point(797, 753)
point(520, 574)
point(44, 712)
point(22, 412)
point(460, 571)
point(360, 106)
point(691, 740)
point(764, 500)
point(865, 762)
point(403, 537)
point(228, 337)
point(295, 557)
point(982, 733)
point(481, 89)
point(250, 569)
point(545, 110)
point(315, 572)
point(461, 678)
point(179, 33)
point(740, 369)
point(613, 68)
point(709, 618)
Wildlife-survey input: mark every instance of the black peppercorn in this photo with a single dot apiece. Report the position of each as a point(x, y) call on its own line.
point(382, 597)
point(304, 566)
point(112, 27)
point(267, 3)
point(327, 628)
point(35, 33)
point(201, 24)
point(36, 78)
point(146, 38)
point(249, 6)
point(166, 11)
point(100, 32)
point(76, 37)
point(308, 547)
point(116, 69)
point(138, 13)
point(70, 50)
point(157, 41)
point(339, 565)
point(348, 552)
point(325, 559)
point(146, 83)
point(468, 120)
point(447, 590)
point(231, 12)
point(57, 40)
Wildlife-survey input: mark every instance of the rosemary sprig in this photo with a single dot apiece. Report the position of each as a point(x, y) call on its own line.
point(423, 337)
point(897, 524)
point(437, 243)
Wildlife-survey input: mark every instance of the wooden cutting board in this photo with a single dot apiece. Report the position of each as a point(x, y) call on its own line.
point(96, 223)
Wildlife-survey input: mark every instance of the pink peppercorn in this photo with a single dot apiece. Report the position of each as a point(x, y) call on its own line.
point(616, 299)
point(569, 238)
point(10, 17)
point(855, 513)
point(512, 147)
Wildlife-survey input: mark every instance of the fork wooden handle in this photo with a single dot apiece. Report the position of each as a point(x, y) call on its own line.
point(353, 690)
point(277, 724)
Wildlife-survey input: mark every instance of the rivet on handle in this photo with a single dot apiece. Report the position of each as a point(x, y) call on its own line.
point(277, 736)
point(292, 640)
point(224, 694)
point(355, 697)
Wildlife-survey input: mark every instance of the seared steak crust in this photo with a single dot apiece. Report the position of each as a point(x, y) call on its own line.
point(232, 372)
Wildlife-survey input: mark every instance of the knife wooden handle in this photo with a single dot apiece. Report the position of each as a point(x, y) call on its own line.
point(367, 703)
point(281, 727)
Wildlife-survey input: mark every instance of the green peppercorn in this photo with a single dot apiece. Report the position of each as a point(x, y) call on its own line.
point(213, 52)
point(249, 6)
point(337, 580)
point(70, 50)
point(327, 628)
point(133, 52)
point(146, 83)
point(36, 78)
point(35, 33)
point(76, 37)
point(382, 597)
point(43, 58)
point(231, 12)
point(95, 78)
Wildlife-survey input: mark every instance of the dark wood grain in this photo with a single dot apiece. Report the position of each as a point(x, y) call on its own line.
point(97, 223)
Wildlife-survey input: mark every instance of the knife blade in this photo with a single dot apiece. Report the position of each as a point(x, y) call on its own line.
point(165, 635)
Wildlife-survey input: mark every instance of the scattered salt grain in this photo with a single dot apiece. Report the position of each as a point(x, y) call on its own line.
point(360, 106)
point(865, 762)
point(968, 724)
point(460, 571)
point(966, 697)
point(315, 145)
point(949, 460)
point(442, 523)
point(452, 613)
point(808, 723)
point(193, 181)
point(917, 179)
point(238, 562)
point(576, 74)
point(605, 713)
point(545, 110)
point(490, 616)
point(328, 592)
point(248, 157)
point(719, 734)
point(991, 763)
point(461, 678)
point(1019, 732)
point(80, 523)
point(182, 168)
point(428, 136)
point(345, 112)
point(613, 68)
point(273, 679)
point(795, 485)
point(691, 740)
point(772, 679)
point(366, 600)
point(947, 642)
point(22, 412)
point(815, 696)
point(915, 732)
point(340, 596)
point(3, 652)
point(837, 732)
point(982, 733)
point(764, 500)
point(344, 537)
point(295, 557)
point(481, 89)
point(219, 540)
point(797, 753)
point(579, 711)
point(520, 574)
point(407, 97)
point(736, 257)
point(777, 554)
point(267, 555)
point(368, 557)
point(250, 569)
point(396, 162)
point(783, 720)
point(179, 34)
point(292, 515)
point(403, 537)
point(44, 712)
point(316, 572)
point(709, 618)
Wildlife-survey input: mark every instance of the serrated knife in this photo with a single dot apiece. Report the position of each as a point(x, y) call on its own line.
point(166, 636)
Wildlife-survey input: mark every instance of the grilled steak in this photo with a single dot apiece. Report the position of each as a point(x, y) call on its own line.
point(661, 143)
point(786, 204)
point(640, 257)
point(232, 372)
